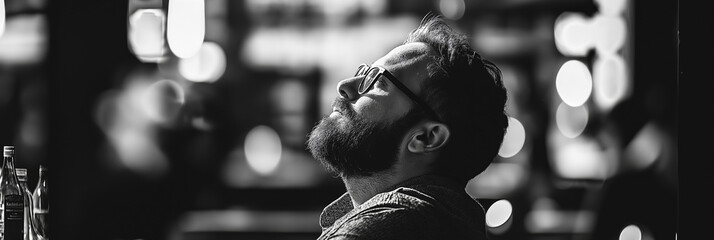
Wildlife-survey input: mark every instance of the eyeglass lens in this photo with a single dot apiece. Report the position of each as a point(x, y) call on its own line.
point(369, 78)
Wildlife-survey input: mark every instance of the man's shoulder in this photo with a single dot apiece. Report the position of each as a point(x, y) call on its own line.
point(401, 206)
point(404, 213)
point(382, 220)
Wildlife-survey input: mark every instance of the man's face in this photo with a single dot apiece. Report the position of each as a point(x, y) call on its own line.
point(363, 134)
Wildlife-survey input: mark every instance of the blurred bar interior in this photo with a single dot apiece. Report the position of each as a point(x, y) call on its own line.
point(186, 119)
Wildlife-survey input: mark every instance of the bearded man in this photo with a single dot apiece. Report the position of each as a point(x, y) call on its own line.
point(406, 134)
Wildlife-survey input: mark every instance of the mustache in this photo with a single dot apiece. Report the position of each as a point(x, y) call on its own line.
point(343, 107)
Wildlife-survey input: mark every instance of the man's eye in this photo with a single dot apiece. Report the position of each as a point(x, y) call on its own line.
point(381, 80)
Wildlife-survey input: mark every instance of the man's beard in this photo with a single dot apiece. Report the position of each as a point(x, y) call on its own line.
point(358, 148)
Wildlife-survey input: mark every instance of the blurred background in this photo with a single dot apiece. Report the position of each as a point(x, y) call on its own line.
point(186, 119)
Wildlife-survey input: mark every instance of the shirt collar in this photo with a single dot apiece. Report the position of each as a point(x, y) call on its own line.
point(343, 205)
point(336, 210)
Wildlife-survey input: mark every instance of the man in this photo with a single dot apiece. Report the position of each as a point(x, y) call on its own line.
point(406, 134)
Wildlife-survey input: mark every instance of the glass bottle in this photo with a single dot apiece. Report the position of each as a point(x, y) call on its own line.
point(12, 195)
point(27, 230)
point(41, 206)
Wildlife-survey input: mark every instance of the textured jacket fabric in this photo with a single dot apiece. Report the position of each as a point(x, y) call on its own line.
point(425, 207)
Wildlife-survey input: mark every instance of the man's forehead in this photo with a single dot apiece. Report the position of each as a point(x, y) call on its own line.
point(410, 54)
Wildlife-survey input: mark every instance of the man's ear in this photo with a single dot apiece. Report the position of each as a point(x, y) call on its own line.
point(430, 137)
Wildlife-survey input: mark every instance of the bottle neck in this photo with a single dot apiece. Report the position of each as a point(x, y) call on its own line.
point(43, 175)
point(9, 163)
point(8, 169)
point(42, 179)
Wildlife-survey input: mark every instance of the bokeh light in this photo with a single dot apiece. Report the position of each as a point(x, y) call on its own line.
point(610, 81)
point(146, 34)
point(499, 213)
point(186, 27)
point(548, 217)
point(163, 100)
point(208, 65)
point(580, 158)
point(609, 33)
point(574, 83)
point(631, 232)
point(571, 121)
point(138, 151)
point(452, 9)
point(645, 148)
point(573, 34)
point(25, 40)
point(513, 140)
point(263, 149)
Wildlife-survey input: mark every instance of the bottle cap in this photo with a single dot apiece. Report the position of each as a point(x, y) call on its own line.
point(8, 151)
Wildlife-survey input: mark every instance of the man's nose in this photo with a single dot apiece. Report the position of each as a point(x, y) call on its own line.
point(347, 88)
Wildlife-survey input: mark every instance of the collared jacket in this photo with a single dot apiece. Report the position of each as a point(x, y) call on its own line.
point(424, 207)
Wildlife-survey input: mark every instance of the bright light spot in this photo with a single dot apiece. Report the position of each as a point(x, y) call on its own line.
point(452, 9)
point(24, 40)
point(514, 139)
point(571, 121)
point(580, 159)
point(206, 66)
point(186, 27)
point(610, 80)
point(162, 101)
point(645, 147)
point(609, 33)
point(573, 34)
point(263, 149)
point(146, 34)
point(574, 83)
point(611, 7)
point(499, 213)
point(631, 232)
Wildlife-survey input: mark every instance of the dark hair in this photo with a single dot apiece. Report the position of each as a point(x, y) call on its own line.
point(467, 93)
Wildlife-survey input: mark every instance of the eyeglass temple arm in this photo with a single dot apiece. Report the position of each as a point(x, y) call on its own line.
point(412, 96)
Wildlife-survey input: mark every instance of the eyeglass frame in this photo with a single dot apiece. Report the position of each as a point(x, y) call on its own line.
point(384, 72)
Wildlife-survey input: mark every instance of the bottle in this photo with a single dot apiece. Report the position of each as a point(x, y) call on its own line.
point(2, 207)
point(27, 229)
point(41, 206)
point(12, 195)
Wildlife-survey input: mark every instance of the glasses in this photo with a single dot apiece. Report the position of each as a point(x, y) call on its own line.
point(370, 74)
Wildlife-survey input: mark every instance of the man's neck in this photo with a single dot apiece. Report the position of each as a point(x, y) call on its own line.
point(362, 189)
